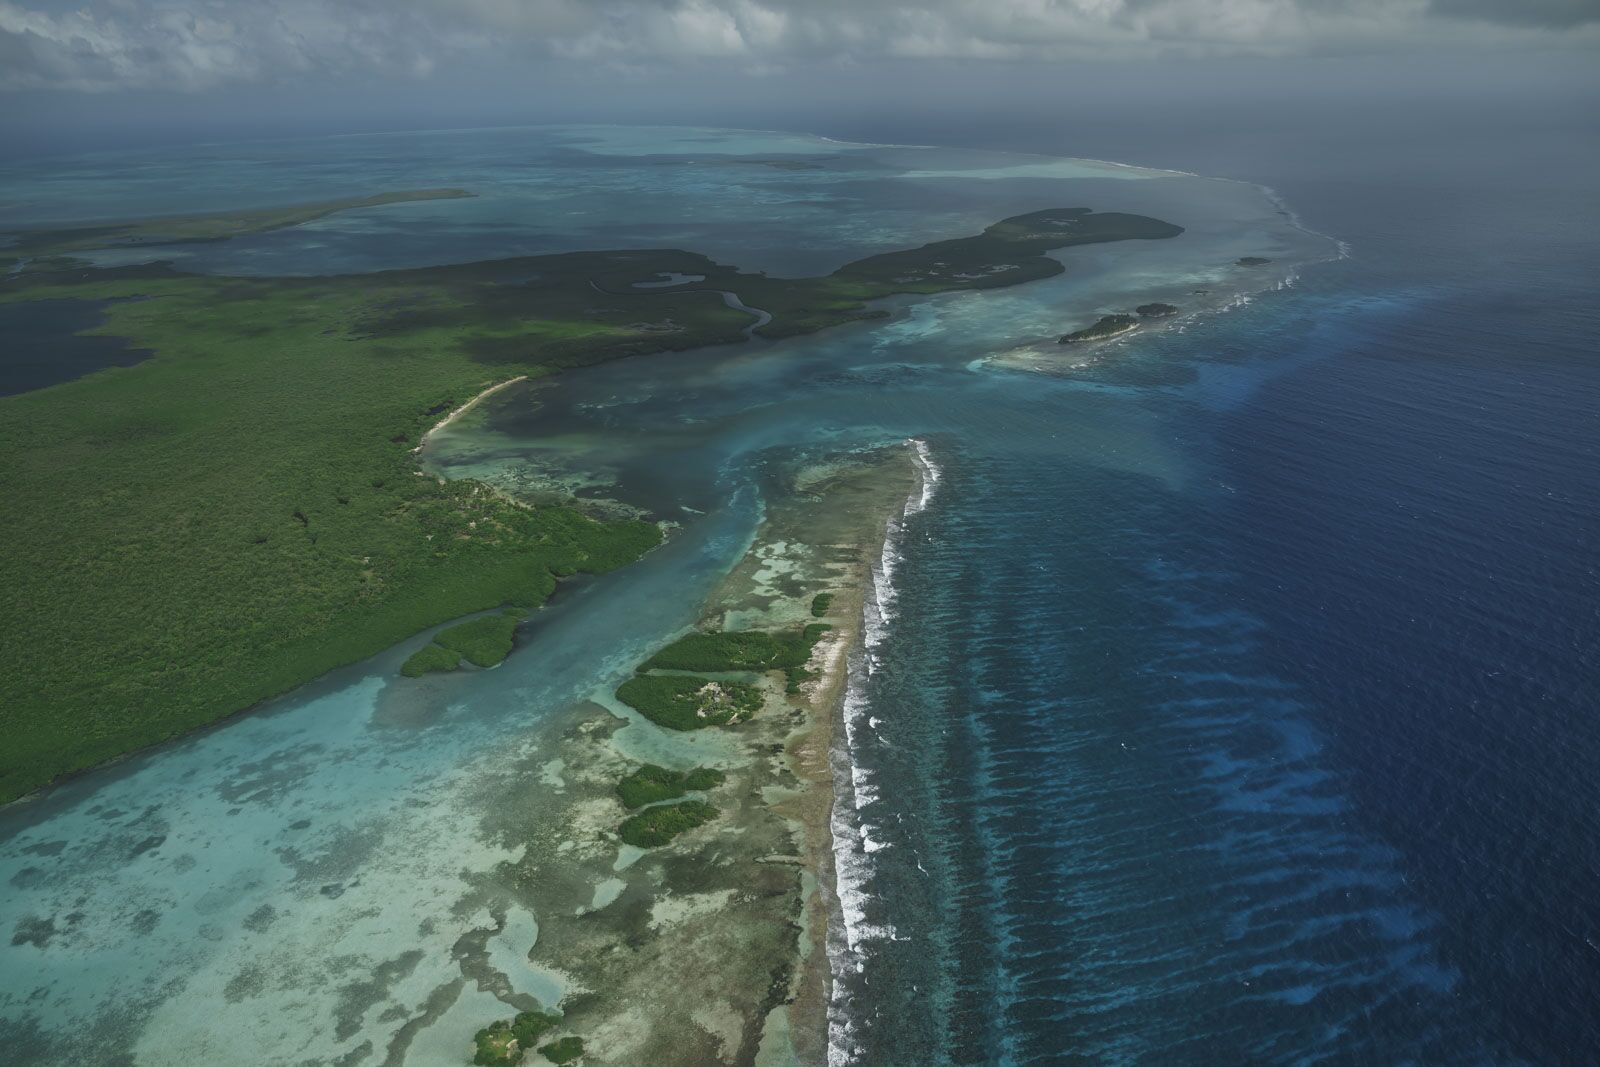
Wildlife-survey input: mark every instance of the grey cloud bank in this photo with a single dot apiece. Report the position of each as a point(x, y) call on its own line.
point(196, 45)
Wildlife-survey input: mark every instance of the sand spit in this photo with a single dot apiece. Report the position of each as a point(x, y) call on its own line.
point(463, 409)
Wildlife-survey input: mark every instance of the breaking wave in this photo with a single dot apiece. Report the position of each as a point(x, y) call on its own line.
point(854, 790)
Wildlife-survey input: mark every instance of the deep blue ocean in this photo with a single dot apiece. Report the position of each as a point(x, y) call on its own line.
point(1297, 765)
point(1241, 702)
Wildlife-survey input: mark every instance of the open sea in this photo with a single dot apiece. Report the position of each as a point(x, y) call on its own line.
point(1290, 760)
point(1232, 691)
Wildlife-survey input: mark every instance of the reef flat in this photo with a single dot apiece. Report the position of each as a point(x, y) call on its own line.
point(242, 511)
point(706, 944)
point(188, 229)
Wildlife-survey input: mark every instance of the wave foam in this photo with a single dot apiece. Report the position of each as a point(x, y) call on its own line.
point(854, 791)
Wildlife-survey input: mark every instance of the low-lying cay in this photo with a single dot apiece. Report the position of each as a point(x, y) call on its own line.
point(675, 847)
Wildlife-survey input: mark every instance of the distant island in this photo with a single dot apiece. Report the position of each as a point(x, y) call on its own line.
point(1116, 325)
point(1108, 326)
point(191, 229)
point(1252, 261)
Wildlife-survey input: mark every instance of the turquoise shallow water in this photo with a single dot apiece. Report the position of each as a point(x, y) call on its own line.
point(246, 885)
point(1167, 604)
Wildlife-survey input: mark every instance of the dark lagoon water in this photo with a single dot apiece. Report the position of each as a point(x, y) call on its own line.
point(1230, 697)
point(43, 344)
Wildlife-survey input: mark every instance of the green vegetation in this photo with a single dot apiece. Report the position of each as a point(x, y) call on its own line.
point(742, 650)
point(689, 702)
point(1252, 261)
point(430, 658)
point(656, 826)
point(1108, 326)
point(1156, 310)
point(501, 1044)
point(187, 229)
point(242, 511)
point(651, 784)
point(530, 1026)
point(1008, 253)
point(497, 1046)
point(484, 641)
point(565, 1050)
point(737, 650)
point(820, 604)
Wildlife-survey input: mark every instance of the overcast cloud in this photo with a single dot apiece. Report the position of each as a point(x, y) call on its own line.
point(194, 45)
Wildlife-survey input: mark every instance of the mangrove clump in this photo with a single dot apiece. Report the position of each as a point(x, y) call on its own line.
point(690, 702)
point(737, 650)
point(483, 642)
point(563, 1051)
point(430, 658)
point(651, 784)
point(654, 827)
point(502, 1043)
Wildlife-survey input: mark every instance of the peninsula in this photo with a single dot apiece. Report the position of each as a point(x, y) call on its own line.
point(188, 229)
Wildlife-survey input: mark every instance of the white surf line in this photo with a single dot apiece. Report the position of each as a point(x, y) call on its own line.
point(458, 412)
point(853, 789)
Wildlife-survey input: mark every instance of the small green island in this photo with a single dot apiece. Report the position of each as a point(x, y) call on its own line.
point(503, 1043)
point(1156, 310)
point(1252, 261)
point(672, 689)
point(690, 702)
point(651, 788)
point(651, 784)
point(191, 229)
point(656, 826)
point(1108, 326)
point(563, 1050)
point(742, 650)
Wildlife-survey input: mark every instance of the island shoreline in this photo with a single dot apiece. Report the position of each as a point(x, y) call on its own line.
point(422, 442)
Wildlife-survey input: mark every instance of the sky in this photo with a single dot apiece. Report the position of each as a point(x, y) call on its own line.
point(80, 73)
